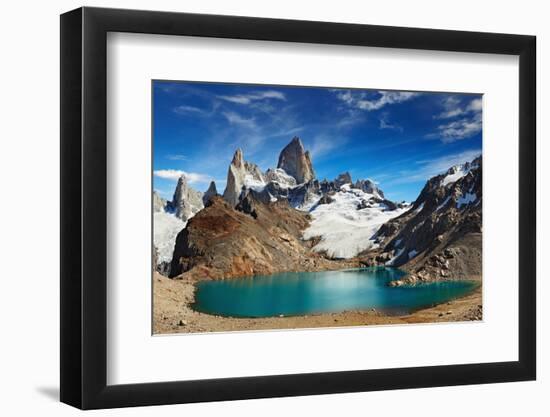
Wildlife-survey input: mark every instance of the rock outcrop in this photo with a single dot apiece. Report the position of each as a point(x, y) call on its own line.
point(440, 236)
point(241, 173)
point(186, 201)
point(211, 192)
point(370, 187)
point(296, 161)
point(344, 178)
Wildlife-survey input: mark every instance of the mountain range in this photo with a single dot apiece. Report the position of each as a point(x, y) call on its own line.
point(286, 219)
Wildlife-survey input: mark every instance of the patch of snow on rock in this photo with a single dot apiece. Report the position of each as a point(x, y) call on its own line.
point(466, 199)
point(279, 176)
point(458, 173)
point(253, 183)
point(166, 227)
point(344, 230)
point(413, 253)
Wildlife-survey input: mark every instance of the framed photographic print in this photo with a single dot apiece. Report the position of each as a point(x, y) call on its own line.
point(291, 208)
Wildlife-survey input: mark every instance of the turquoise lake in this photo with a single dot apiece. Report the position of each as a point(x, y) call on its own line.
point(302, 293)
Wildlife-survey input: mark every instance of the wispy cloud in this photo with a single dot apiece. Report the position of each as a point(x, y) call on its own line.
point(287, 132)
point(460, 129)
point(177, 157)
point(466, 120)
point(452, 108)
point(385, 124)
point(175, 174)
point(425, 169)
point(188, 109)
point(254, 96)
point(236, 119)
point(323, 144)
point(370, 101)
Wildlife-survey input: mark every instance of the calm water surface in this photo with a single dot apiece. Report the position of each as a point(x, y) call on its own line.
point(301, 293)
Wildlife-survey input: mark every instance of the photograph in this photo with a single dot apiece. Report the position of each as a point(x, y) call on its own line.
point(286, 207)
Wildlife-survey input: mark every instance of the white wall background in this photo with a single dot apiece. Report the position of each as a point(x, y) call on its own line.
point(29, 225)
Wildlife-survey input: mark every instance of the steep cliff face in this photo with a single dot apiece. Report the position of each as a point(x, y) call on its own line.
point(186, 201)
point(256, 238)
point(440, 236)
point(241, 173)
point(296, 161)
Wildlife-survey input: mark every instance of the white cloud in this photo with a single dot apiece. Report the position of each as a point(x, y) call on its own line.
point(452, 108)
point(370, 101)
point(468, 125)
point(175, 174)
point(236, 119)
point(475, 105)
point(187, 110)
point(254, 96)
point(459, 129)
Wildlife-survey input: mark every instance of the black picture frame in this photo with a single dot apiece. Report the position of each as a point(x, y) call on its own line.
point(84, 207)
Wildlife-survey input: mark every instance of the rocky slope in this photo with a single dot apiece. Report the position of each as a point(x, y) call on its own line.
point(440, 236)
point(255, 238)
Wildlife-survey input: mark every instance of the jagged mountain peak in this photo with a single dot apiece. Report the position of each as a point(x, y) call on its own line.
point(238, 159)
point(441, 186)
point(186, 200)
point(296, 161)
point(241, 174)
point(210, 192)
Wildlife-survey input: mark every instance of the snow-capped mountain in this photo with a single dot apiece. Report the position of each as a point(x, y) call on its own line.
point(345, 215)
point(293, 180)
point(440, 236)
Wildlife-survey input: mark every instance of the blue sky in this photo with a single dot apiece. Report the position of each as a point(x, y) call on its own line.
point(398, 139)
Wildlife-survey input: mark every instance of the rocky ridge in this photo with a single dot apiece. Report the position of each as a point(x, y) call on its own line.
point(440, 236)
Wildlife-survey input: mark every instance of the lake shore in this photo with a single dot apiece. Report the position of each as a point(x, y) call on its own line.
point(172, 313)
